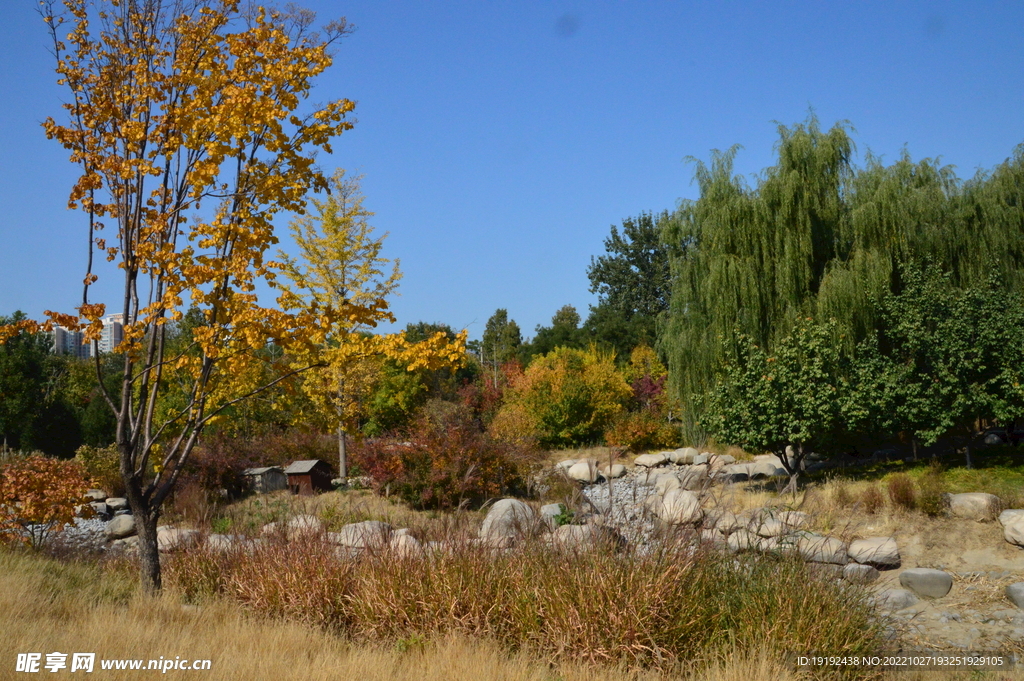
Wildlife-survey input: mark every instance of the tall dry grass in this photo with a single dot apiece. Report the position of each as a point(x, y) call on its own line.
point(658, 608)
point(47, 606)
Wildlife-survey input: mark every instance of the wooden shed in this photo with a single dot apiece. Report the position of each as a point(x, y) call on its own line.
point(309, 477)
point(266, 479)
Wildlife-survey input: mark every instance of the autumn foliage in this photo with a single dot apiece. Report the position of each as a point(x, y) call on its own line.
point(445, 460)
point(567, 397)
point(38, 496)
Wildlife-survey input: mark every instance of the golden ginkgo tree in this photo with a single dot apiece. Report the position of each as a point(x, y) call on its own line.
point(340, 265)
point(190, 125)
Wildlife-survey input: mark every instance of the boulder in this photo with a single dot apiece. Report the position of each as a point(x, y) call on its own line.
point(650, 460)
point(993, 439)
point(548, 513)
point(765, 469)
point(895, 599)
point(580, 536)
point(304, 526)
point(667, 482)
point(728, 522)
point(877, 551)
point(769, 527)
point(565, 464)
point(507, 520)
point(975, 506)
point(818, 549)
point(270, 529)
point(616, 470)
point(117, 503)
point(100, 508)
point(1010, 515)
point(745, 540)
point(120, 527)
point(220, 542)
point(369, 534)
point(723, 459)
point(584, 471)
point(927, 582)
point(794, 519)
point(679, 507)
point(1015, 592)
point(855, 573)
point(694, 478)
point(95, 495)
point(1013, 531)
point(172, 539)
point(737, 472)
point(701, 458)
point(684, 455)
point(405, 546)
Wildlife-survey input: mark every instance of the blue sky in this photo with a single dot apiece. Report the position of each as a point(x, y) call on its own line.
point(500, 140)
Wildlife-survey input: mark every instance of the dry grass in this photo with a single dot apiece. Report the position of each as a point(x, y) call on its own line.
point(39, 597)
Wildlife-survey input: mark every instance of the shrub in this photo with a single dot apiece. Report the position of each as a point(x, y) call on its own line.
point(446, 460)
point(641, 430)
point(931, 488)
point(872, 499)
point(901, 491)
point(571, 395)
point(102, 464)
point(38, 496)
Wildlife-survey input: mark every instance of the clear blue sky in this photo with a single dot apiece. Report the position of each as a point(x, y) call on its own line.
point(500, 140)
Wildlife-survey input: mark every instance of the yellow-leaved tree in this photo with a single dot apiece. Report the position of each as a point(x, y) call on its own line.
point(339, 265)
point(188, 121)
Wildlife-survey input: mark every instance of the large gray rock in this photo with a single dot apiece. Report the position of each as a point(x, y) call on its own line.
point(745, 540)
point(548, 512)
point(975, 506)
point(565, 464)
point(405, 546)
point(1015, 592)
point(95, 495)
point(616, 470)
point(651, 460)
point(581, 536)
point(694, 478)
point(507, 519)
point(860, 574)
point(927, 582)
point(117, 503)
point(667, 482)
point(729, 522)
point(172, 539)
point(895, 599)
point(683, 455)
point(220, 542)
point(120, 527)
point(100, 508)
point(769, 527)
point(369, 534)
point(765, 469)
point(584, 471)
point(304, 526)
point(1013, 530)
point(679, 507)
point(818, 549)
point(1011, 515)
point(881, 552)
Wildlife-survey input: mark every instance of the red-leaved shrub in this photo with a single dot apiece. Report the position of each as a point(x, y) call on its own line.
point(445, 460)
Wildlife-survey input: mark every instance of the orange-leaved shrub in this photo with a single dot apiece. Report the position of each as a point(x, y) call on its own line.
point(568, 396)
point(641, 430)
point(445, 460)
point(38, 496)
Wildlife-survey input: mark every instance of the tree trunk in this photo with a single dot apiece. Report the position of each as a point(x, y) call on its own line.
point(145, 527)
point(967, 451)
point(342, 456)
point(913, 444)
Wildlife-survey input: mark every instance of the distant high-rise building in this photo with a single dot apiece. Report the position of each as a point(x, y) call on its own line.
point(68, 342)
point(113, 332)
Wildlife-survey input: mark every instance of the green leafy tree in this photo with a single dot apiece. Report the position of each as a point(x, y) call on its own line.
point(564, 332)
point(501, 340)
point(789, 401)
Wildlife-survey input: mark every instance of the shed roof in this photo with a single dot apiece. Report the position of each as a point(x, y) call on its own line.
point(261, 471)
point(300, 467)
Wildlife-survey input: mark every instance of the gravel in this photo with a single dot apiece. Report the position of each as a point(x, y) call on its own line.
point(627, 514)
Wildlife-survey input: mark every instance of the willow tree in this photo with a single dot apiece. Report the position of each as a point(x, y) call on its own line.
point(752, 258)
point(816, 236)
point(185, 122)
